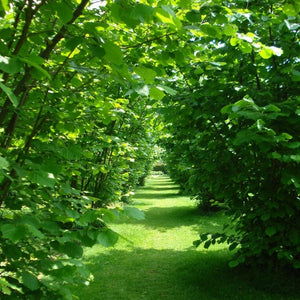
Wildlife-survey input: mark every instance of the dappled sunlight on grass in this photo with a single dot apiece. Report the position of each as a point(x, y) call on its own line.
point(139, 273)
point(157, 260)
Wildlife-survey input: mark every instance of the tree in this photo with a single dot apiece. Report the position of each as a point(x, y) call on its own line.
point(80, 89)
point(234, 127)
point(75, 137)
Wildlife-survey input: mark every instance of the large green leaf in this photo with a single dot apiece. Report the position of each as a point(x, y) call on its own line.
point(12, 97)
point(211, 30)
point(4, 4)
point(4, 164)
point(113, 53)
point(64, 11)
point(72, 249)
point(167, 89)
point(107, 238)
point(143, 12)
point(245, 47)
point(30, 281)
point(32, 61)
point(230, 29)
point(194, 16)
point(167, 16)
point(146, 73)
point(266, 53)
point(97, 50)
point(42, 178)
point(72, 152)
point(88, 217)
point(134, 213)
point(13, 232)
point(10, 65)
point(156, 93)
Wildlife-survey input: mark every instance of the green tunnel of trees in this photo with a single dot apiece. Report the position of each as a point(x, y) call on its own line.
point(89, 88)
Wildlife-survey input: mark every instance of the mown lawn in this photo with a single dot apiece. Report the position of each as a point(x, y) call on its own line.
point(161, 262)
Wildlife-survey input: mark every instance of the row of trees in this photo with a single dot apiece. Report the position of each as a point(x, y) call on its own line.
point(77, 135)
point(81, 85)
point(234, 127)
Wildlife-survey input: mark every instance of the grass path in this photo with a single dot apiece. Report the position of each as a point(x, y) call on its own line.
point(161, 262)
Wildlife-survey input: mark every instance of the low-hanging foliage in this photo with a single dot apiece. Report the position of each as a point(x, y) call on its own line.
point(234, 130)
point(81, 85)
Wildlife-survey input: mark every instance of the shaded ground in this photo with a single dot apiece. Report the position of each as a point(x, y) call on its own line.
point(162, 264)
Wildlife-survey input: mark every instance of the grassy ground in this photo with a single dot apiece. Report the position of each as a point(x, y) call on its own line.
point(162, 264)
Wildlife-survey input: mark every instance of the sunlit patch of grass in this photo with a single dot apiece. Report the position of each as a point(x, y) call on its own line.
point(161, 262)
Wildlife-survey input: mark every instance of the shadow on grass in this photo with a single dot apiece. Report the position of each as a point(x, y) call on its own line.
point(163, 195)
point(167, 274)
point(160, 187)
point(165, 218)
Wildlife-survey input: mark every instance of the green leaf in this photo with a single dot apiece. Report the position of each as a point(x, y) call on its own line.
point(265, 216)
point(245, 47)
point(185, 3)
point(230, 30)
point(194, 16)
point(290, 9)
point(12, 97)
point(167, 89)
point(97, 50)
point(51, 227)
point(233, 263)
point(196, 243)
point(234, 41)
point(156, 93)
point(245, 104)
point(88, 217)
point(107, 238)
point(64, 11)
point(295, 75)
point(207, 244)
point(109, 215)
point(295, 157)
point(72, 152)
point(4, 164)
point(10, 65)
point(42, 178)
point(113, 53)
point(31, 61)
point(233, 246)
point(133, 212)
point(211, 30)
point(5, 5)
point(13, 232)
point(167, 16)
point(72, 249)
point(34, 231)
point(147, 74)
point(266, 53)
point(203, 236)
point(271, 108)
point(143, 12)
point(30, 281)
point(270, 231)
point(72, 43)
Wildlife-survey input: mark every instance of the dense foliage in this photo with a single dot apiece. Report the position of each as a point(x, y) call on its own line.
point(235, 127)
point(81, 84)
point(76, 136)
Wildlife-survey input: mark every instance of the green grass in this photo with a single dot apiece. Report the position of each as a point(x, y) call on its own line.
point(162, 264)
